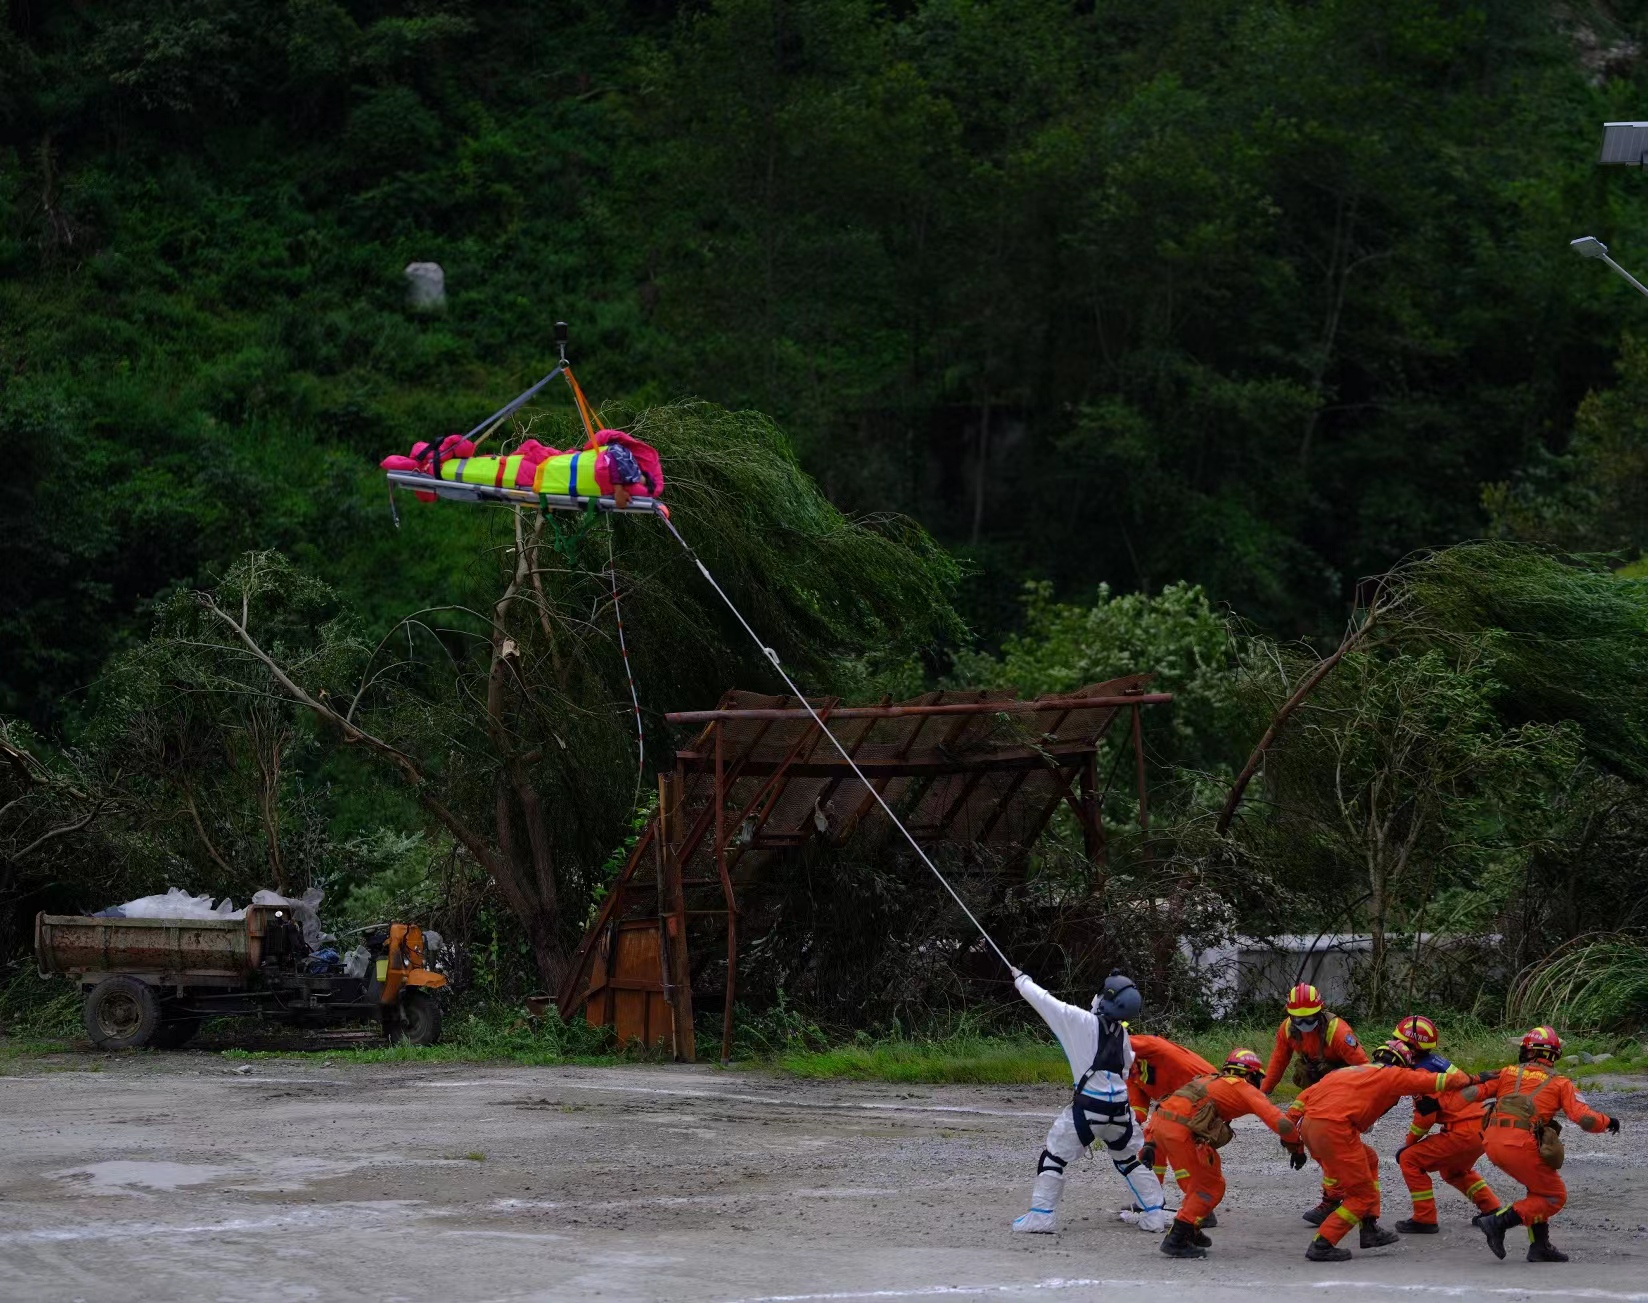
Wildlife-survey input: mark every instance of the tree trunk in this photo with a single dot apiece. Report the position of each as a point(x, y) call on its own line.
point(525, 877)
point(981, 470)
point(1304, 690)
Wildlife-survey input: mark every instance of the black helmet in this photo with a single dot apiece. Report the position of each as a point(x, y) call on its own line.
point(1120, 999)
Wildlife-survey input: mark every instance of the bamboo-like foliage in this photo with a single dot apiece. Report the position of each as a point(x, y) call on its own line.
point(1596, 982)
point(1566, 637)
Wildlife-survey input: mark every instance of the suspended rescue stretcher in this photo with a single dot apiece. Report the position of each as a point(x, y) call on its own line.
point(612, 472)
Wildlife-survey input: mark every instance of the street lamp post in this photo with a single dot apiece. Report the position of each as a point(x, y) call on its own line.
point(1588, 246)
point(1624, 144)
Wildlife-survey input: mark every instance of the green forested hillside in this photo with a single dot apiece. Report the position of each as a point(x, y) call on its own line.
point(1250, 294)
point(1218, 303)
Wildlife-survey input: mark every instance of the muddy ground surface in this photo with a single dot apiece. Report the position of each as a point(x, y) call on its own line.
point(180, 1177)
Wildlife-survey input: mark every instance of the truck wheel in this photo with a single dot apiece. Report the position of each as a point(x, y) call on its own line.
point(177, 1033)
point(420, 1019)
point(122, 1013)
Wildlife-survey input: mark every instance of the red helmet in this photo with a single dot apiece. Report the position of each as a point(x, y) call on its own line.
point(1418, 1031)
point(1244, 1063)
point(1304, 1001)
point(1394, 1054)
point(1541, 1043)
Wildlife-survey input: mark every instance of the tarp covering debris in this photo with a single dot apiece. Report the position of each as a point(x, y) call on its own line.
point(177, 903)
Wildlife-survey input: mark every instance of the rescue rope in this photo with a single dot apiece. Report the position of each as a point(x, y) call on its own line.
point(772, 656)
point(629, 674)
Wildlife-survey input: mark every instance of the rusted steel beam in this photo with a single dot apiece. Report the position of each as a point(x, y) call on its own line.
point(1138, 756)
point(727, 894)
point(739, 769)
point(955, 708)
point(774, 772)
point(928, 765)
point(676, 957)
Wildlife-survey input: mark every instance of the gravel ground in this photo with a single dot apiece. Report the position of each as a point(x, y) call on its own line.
point(185, 1176)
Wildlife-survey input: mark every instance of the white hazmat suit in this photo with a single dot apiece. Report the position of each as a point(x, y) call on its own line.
point(1100, 1058)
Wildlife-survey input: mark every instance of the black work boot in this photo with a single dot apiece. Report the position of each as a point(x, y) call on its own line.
point(1321, 1251)
point(1210, 1222)
point(1412, 1227)
point(1200, 1240)
point(1540, 1248)
point(1319, 1214)
point(1178, 1243)
point(1375, 1236)
point(1494, 1226)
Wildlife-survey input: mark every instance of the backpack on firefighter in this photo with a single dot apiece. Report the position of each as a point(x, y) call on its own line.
point(1517, 1106)
point(1204, 1122)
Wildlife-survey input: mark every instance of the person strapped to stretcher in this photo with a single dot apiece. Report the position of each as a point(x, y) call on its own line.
point(616, 465)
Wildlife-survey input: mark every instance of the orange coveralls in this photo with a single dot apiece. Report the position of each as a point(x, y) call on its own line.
point(1336, 1111)
point(1452, 1152)
point(1334, 1045)
point(1510, 1141)
point(1159, 1068)
point(1195, 1165)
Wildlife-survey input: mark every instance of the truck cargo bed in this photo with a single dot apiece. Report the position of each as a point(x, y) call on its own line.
point(166, 951)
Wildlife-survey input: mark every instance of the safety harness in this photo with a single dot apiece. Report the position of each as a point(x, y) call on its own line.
point(1111, 1107)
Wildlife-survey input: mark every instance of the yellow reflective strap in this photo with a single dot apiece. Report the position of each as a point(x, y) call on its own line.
point(1423, 1194)
point(1342, 1211)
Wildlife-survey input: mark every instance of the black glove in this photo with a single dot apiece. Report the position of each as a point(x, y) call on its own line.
point(1613, 1126)
point(1147, 1152)
point(1297, 1160)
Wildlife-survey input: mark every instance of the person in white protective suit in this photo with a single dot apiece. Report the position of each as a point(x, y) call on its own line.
point(1095, 1041)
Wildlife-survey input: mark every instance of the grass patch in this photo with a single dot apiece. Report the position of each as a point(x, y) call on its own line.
point(986, 1060)
point(983, 1059)
point(484, 1036)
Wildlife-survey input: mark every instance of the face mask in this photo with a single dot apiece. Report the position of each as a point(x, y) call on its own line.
point(1311, 1024)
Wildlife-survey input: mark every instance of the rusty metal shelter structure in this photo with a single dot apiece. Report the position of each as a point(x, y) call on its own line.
point(972, 767)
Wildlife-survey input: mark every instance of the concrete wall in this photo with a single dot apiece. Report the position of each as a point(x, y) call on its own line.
point(1253, 968)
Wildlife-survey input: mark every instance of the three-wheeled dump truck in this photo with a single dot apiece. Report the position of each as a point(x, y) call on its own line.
point(153, 981)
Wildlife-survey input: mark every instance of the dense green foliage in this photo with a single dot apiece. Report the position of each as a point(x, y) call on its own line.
point(1252, 295)
point(1199, 307)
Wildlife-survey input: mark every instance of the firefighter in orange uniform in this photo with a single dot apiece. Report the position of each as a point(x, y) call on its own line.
point(1323, 1041)
point(1189, 1133)
point(1529, 1094)
point(1160, 1067)
point(1333, 1114)
point(1452, 1152)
